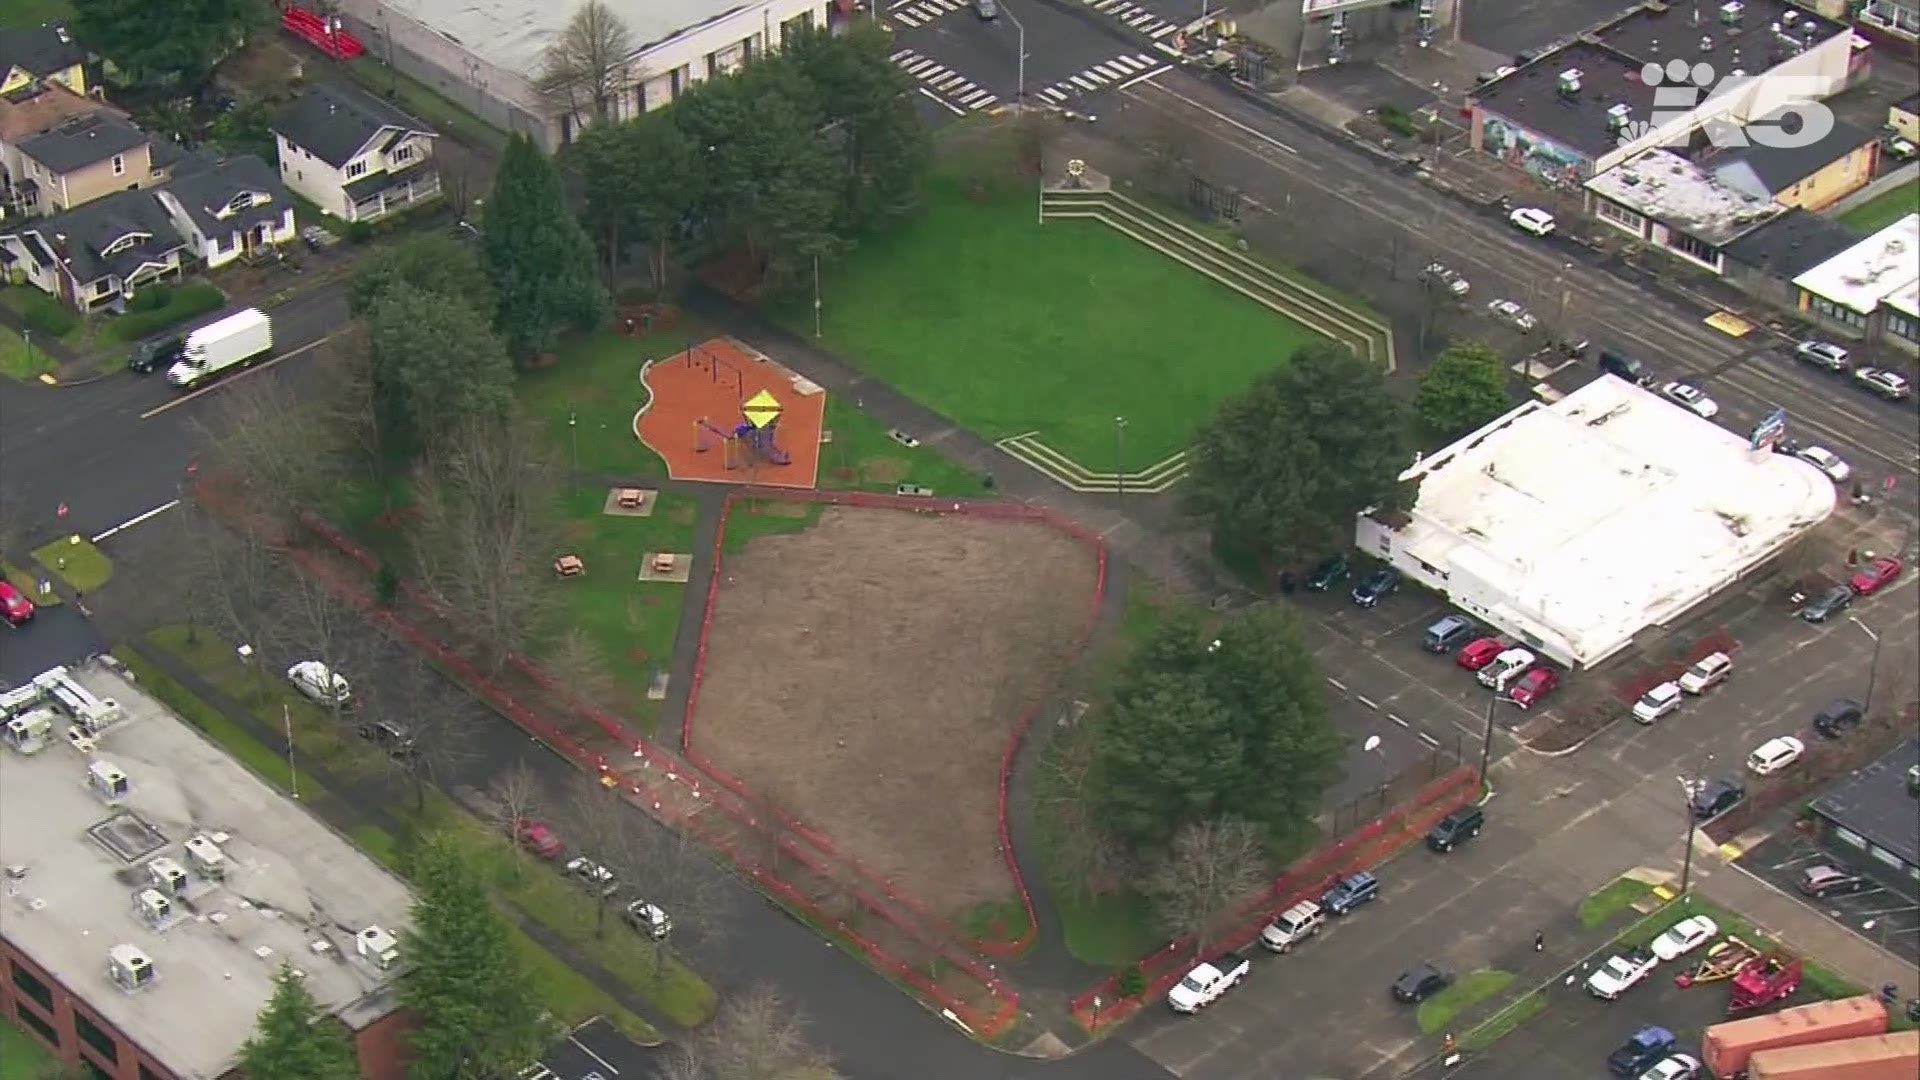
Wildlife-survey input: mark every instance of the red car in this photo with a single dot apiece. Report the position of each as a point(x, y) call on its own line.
point(539, 838)
point(14, 604)
point(1533, 686)
point(1480, 652)
point(1877, 573)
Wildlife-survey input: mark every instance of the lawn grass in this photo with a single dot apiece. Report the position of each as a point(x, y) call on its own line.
point(995, 920)
point(1504, 1023)
point(1610, 900)
point(19, 14)
point(21, 1056)
point(596, 381)
point(19, 360)
point(1438, 1012)
point(29, 586)
point(426, 103)
point(1111, 931)
point(46, 316)
point(1883, 210)
point(976, 310)
point(78, 563)
point(863, 456)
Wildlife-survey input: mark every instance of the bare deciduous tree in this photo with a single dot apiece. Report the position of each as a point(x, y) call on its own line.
point(1212, 866)
point(486, 529)
point(309, 621)
point(603, 828)
point(1085, 854)
point(579, 665)
point(590, 60)
point(513, 797)
point(430, 739)
point(757, 1035)
point(675, 872)
point(263, 440)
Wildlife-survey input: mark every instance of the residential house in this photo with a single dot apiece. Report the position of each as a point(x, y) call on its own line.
point(1811, 177)
point(355, 156)
point(228, 208)
point(1871, 290)
point(97, 254)
point(86, 157)
point(25, 111)
point(44, 53)
point(1903, 117)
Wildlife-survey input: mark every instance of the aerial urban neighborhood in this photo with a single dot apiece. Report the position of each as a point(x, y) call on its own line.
point(959, 539)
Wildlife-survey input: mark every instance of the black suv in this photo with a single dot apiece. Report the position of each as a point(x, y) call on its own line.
point(1332, 571)
point(1836, 716)
point(388, 736)
point(1828, 604)
point(1381, 583)
point(1420, 982)
point(1456, 828)
point(1716, 797)
point(154, 354)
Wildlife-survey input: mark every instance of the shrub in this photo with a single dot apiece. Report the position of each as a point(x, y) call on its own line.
point(46, 315)
point(386, 584)
point(1133, 982)
point(359, 232)
point(177, 305)
point(150, 299)
point(1396, 120)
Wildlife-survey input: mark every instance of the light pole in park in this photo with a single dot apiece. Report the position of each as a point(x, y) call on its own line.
point(1119, 457)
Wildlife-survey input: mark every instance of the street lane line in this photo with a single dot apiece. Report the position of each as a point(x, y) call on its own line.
point(132, 521)
point(1137, 79)
point(231, 379)
point(1228, 120)
point(943, 102)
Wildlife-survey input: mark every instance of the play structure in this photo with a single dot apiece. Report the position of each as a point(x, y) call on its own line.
point(752, 440)
point(753, 421)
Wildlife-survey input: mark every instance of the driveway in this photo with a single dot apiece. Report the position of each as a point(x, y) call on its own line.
point(1880, 914)
point(593, 1051)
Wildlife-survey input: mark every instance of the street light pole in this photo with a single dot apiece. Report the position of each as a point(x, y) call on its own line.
point(573, 443)
point(1486, 743)
point(1119, 458)
point(1873, 670)
point(1686, 806)
point(1020, 70)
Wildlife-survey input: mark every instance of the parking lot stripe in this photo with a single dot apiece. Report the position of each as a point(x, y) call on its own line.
point(1395, 717)
point(1367, 701)
point(1337, 684)
point(1428, 739)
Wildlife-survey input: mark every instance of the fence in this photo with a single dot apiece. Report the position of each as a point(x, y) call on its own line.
point(1008, 511)
point(1365, 848)
point(492, 93)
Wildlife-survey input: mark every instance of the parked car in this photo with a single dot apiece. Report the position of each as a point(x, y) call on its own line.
point(388, 735)
point(1332, 571)
point(1456, 828)
point(593, 874)
point(1447, 279)
point(539, 838)
point(1446, 634)
point(1532, 220)
point(1420, 982)
point(1826, 461)
point(1292, 926)
point(988, 10)
point(1836, 716)
point(1888, 384)
point(1711, 670)
point(1621, 973)
point(1684, 936)
point(1512, 314)
point(1775, 754)
point(1350, 892)
point(1480, 652)
point(1622, 366)
point(1876, 574)
point(1377, 585)
point(1691, 398)
point(649, 919)
point(1716, 797)
point(1657, 702)
point(1207, 983)
point(156, 354)
point(1673, 1067)
point(315, 682)
point(14, 604)
point(1495, 75)
point(1824, 880)
point(1827, 604)
point(1822, 354)
point(1647, 1046)
point(1500, 673)
point(1537, 683)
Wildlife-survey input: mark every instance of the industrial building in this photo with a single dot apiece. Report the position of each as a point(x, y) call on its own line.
point(487, 55)
point(1872, 819)
point(1575, 525)
point(1871, 290)
point(155, 887)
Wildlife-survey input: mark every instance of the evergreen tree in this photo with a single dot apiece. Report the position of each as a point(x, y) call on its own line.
point(542, 262)
point(166, 42)
point(294, 1040)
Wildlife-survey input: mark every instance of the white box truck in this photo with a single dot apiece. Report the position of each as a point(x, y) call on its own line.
point(221, 346)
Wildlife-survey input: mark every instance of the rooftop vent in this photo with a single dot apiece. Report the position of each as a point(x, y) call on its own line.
point(130, 968)
point(379, 946)
point(153, 908)
point(167, 876)
point(1617, 117)
point(206, 858)
point(1570, 82)
point(28, 732)
point(1732, 12)
point(106, 778)
point(1706, 43)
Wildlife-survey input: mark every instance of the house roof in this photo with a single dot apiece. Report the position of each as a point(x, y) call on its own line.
point(82, 141)
point(1791, 244)
point(1668, 188)
point(1909, 105)
point(1762, 34)
point(85, 232)
point(1881, 266)
point(205, 186)
point(335, 123)
point(1874, 802)
point(38, 106)
point(39, 50)
point(1770, 170)
point(1532, 98)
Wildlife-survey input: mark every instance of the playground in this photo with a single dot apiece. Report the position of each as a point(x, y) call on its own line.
point(866, 675)
point(724, 413)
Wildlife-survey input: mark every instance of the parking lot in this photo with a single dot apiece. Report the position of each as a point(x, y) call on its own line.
point(593, 1051)
point(1879, 914)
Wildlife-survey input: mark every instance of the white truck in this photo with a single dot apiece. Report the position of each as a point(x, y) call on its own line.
point(222, 345)
point(1208, 983)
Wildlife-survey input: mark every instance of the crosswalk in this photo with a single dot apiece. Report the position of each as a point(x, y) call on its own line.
point(1105, 75)
point(951, 89)
point(1134, 16)
point(917, 13)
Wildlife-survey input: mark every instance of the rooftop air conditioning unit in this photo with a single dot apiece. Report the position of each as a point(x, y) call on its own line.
point(206, 858)
point(153, 908)
point(106, 778)
point(1732, 12)
point(379, 946)
point(29, 731)
point(1617, 117)
point(1706, 43)
point(1570, 82)
point(130, 968)
point(20, 699)
point(167, 876)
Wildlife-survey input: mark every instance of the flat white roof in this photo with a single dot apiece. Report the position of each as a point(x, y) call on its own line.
point(1906, 301)
point(514, 34)
point(1585, 521)
point(292, 883)
point(1883, 265)
point(1668, 188)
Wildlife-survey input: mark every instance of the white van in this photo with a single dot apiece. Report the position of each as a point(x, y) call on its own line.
point(1709, 672)
point(1506, 667)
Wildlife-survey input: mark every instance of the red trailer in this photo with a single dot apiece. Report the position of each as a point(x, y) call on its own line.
point(1764, 981)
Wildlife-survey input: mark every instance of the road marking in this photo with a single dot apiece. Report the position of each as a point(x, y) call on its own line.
point(1228, 120)
point(1395, 717)
point(943, 102)
point(1054, 94)
point(1337, 684)
point(596, 1057)
point(132, 521)
point(1082, 83)
point(1428, 739)
point(231, 379)
point(973, 100)
point(1155, 73)
point(1367, 701)
point(1163, 31)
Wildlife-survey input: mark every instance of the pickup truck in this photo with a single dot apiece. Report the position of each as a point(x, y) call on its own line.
point(1647, 1046)
point(1208, 983)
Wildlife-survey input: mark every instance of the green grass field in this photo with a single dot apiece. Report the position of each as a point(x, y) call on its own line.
point(1883, 210)
point(21, 1058)
point(19, 360)
point(16, 14)
point(81, 565)
point(1008, 326)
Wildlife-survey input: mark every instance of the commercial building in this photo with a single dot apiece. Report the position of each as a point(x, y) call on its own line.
point(155, 887)
point(1764, 261)
point(487, 55)
point(1586, 107)
point(1871, 290)
point(1897, 20)
point(1903, 117)
point(1673, 204)
point(1575, 525)
point(1872, 819)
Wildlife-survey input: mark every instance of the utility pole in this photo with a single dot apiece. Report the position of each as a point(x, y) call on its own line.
point(1020, 68)
point(1486, 743)
point(1686, 806)
point(816, 296)
point(1873, 671)
point(293, 773)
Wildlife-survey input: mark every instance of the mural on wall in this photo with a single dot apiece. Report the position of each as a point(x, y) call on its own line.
point(1522, 149)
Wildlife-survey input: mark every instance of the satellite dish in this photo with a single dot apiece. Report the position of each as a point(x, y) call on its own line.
point(1372, 744)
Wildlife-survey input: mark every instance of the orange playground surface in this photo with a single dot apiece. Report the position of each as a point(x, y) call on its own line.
point(724, 413)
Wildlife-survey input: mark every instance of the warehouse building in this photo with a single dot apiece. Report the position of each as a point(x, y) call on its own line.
point(1872, 819)
point(1871, 290)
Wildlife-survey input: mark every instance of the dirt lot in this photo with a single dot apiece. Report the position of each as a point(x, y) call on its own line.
point(867, 673)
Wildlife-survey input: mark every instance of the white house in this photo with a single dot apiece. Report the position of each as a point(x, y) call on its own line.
point(227, 209)
point(355, 156)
